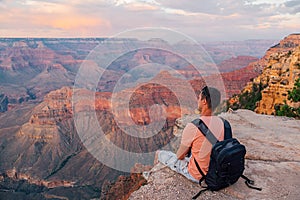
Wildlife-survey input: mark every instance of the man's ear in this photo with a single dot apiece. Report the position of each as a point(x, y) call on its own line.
point(204, 101)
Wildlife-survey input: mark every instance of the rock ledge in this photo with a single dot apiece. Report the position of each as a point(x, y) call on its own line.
point(272, 160)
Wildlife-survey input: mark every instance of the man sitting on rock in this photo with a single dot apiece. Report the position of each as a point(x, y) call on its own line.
point(193, 142)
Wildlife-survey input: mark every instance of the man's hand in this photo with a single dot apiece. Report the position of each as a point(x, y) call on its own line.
point(182, 151)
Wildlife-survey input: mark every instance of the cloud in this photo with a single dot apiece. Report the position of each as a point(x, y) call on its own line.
point(214, 7)
point(292, 3)
point(137, 5)
point(254, 8)
point(293, 6)
point(141, 7)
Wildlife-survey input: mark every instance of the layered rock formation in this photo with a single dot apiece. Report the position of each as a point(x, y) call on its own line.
point(276, 75)
point(272, 157)
point(279, 77)
point(57, 106)
point(14, 175)
point(30, 68)
point(284, 46)
point(46, 151)
point(19, 186)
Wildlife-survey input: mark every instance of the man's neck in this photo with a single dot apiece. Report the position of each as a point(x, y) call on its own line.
point(206, 112)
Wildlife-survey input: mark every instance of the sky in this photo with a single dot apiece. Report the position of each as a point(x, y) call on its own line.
point(210, 20)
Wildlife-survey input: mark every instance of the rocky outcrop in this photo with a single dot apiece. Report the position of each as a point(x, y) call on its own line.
point(284, 46)
point(124, 185)
point(279, 77)
point(287, 44)
point(276, 73)
point(272, 160)
point(57, 106)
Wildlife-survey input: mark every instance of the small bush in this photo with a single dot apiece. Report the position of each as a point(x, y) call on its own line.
point(248, 100)
point(293, 95)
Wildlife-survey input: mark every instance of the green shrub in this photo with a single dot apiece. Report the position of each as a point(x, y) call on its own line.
point(293, 95)
point(248, 100)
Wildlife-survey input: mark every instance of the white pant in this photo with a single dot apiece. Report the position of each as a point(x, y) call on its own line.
point(169, 159)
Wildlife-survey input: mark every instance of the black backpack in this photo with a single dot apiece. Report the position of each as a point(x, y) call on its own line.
point(227, 160)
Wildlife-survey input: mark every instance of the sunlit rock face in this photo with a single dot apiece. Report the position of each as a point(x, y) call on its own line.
point(279, 76)
point(276, 73)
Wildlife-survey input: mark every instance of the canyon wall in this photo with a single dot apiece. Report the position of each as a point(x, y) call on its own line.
point(276, 73)
point(279, 77)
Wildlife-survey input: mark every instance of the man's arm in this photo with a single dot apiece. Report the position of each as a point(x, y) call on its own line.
point(182, 151)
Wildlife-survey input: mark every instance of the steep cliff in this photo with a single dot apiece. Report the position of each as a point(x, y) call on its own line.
point(272, 158)
point(278, 77)
point(284, 46)
point(279, 69)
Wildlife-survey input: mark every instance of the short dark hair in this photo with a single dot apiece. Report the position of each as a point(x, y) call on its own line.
point(212, 96)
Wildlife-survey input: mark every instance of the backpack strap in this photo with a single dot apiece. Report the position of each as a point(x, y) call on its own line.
point(200, 192)
point(205, 131)
point(209, 135)
point(213, 140)
point(227, 129)
point(200, 181)
point(250, 183)
point(201, 172)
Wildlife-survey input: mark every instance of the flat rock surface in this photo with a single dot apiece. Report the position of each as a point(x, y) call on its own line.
point(272, 160)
